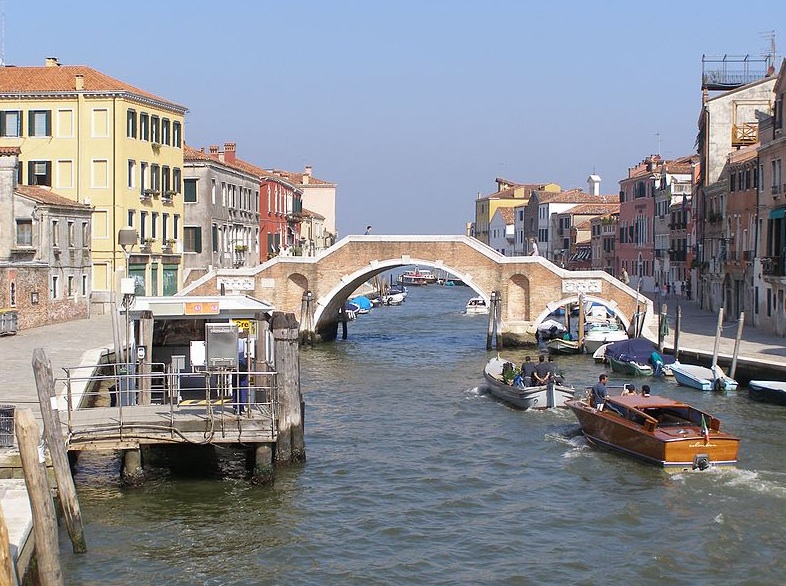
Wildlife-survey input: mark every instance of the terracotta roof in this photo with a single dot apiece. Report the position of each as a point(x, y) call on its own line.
point(296, 177)
point(42, 195)
point(62, 79)
point(192, 154)
point(575, 196)
point(507, 215)
point(744, 154)
point(593, 209)
point(310, 214)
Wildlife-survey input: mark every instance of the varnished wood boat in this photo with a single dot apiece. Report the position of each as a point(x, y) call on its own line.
point(657, 430)
point(522, 397)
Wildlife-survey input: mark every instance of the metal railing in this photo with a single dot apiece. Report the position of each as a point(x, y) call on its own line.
point(108, 402)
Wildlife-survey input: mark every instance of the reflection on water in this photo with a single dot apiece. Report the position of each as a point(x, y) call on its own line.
point(414, 476)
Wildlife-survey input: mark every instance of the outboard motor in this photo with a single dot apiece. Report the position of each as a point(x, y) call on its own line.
point(701, 462)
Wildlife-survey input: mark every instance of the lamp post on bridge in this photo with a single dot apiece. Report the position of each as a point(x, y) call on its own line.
point(127, 238)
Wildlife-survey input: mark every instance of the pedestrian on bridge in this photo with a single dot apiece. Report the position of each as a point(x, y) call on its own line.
point(368, 230)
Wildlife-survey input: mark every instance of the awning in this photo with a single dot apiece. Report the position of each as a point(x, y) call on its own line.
point(777, 213)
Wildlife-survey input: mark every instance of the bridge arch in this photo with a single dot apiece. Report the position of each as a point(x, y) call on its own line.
point(527, 285)
point(566, 301)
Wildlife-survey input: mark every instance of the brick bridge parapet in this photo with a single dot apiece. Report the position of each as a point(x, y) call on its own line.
point(530, 287)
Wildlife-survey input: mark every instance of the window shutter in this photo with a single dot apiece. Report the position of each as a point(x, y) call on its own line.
point(48, 123)
point(198, 240)
point(31, 122)
point(2, 123)
point(30, 173)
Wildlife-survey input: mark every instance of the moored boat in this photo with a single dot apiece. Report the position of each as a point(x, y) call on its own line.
point(703, 378)
point(522, 397)
point(768, 391)
point(657, 430)
point(602, 332)
point(637, 357)
point(563, 346)
point(415, 277)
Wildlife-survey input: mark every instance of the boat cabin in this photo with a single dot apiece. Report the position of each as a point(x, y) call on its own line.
point(659, 412)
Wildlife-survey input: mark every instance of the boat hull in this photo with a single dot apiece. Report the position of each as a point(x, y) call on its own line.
point(629, 367)
point(767, 391)
point(538, 397)
point(560, 346)
point(674, 447)
point(701, 378)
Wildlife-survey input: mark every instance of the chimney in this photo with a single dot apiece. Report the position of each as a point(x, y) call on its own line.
point(306, 174)
point(229, 152)
point(52, 62)
point(593, 183)
point(213, 150)
point(79, 82)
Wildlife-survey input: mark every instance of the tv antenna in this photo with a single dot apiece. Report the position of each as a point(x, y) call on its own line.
point(771, 52)
point(2, 36)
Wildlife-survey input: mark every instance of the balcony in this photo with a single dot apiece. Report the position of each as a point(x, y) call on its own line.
point(773, 266)
point(744, 134)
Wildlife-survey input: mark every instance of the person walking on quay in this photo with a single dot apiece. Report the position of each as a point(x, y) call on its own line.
point(368, 230)
point(599, 392)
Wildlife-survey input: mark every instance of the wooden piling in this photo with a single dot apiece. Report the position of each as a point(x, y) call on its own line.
point(498, 322)
point(492, 319)
point(342, 317)
point(718, 331)
point(53, 436)
point(580, 328)
point(737, 339)
point(41, 505)
point(290, 445)
point(6, 560)
point(677, 324)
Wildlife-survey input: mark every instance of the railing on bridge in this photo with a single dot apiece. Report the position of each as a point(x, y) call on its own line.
point(165, 406)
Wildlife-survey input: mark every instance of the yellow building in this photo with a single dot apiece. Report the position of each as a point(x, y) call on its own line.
point(508, 195)
point(103, 142)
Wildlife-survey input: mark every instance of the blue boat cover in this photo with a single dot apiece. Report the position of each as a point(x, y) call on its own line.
point(637, 349)
point(361, 301)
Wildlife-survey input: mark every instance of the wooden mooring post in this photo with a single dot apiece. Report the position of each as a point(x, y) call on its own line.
point(737, 339)
point(53, 436)
point(307, 319)
point(290, 443)
point(6, 560)
point(41, 505)
point(677, 324)
point(718, 331)
point(495, 312)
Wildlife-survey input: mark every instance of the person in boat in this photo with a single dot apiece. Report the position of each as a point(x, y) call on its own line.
point(645, 390)
point(555, 376)
point(629, 389)
point(527, 368)
point(599, 391)
point(542, 373)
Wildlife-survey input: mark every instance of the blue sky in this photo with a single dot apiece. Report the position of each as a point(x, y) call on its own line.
point(412, 106)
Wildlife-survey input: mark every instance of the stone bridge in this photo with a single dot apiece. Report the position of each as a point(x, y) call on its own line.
point(529, 288)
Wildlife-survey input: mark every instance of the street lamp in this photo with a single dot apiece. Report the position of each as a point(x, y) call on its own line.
point(127, 238)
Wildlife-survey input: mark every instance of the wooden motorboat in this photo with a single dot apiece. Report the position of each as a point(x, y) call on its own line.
point(657, 430)
point(768, 391)
point(503, 388)
point(476, 305)
point(702, 378)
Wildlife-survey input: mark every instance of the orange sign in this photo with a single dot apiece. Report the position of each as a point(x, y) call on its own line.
point(202, 308)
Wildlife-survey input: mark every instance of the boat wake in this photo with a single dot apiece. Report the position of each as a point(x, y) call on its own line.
point(761, 482)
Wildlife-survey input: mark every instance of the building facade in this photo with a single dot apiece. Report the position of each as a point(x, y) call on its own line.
point(99, 141)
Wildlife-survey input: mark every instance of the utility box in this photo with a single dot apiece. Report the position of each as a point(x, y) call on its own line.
point(221, 351)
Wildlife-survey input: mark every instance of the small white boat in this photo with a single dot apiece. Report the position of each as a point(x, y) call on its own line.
point(550, 328)
point(768, 391)
point(702, 378)
point(599, 333)
point(600, 354)
point(562, 346)
point(476, 305)
point(521, 397)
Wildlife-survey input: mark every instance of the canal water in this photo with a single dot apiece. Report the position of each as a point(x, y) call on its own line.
point(415, 477)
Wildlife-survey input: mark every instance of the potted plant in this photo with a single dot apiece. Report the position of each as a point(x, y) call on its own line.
point(241, 248)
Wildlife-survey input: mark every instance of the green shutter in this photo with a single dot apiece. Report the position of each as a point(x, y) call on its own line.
point(189, 190)
point(197, 239)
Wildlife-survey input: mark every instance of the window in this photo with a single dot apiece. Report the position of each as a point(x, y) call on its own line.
point(175, 226)
point(143, 183)
point(214, 235)
point(142, 225)
point(12, 293)
point(39, 123)
point(131, 214)
point(70, 234)
point(70, 285)
point(164, 230)
point(155, 128)
point(11, 123)
point(131, 173)
point(176, 179)
point(144, 126)
point(212, 191)
point(154, 225)
point(54, 291)
point(55, 234)
point(165, 137)
point(155, 177)
point(190, 190)
point(85, 235)
point(165, 180)
point(131, 123)
point(39, 173)
point(24, 232)
point(176, 134)
point(192, 239)
point(84, 285)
